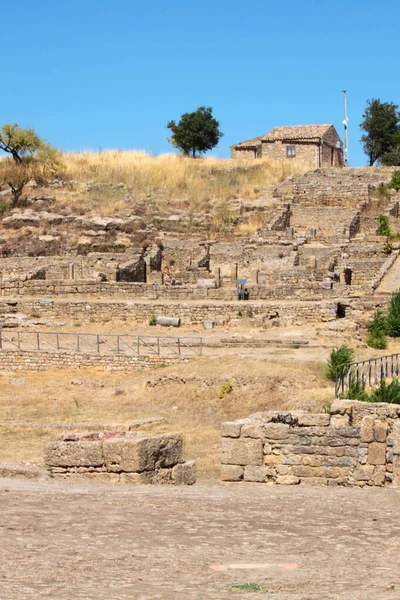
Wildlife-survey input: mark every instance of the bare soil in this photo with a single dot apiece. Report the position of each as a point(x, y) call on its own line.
point(65, 542)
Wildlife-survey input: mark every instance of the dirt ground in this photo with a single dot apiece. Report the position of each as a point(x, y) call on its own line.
point(64, 541)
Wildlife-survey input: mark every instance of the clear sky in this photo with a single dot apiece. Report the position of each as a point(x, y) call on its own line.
point(110, 73)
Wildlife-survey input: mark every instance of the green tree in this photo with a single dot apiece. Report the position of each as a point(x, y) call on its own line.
point(380, 123)
point(196, 132)
point(392, 158)
point(31, 159)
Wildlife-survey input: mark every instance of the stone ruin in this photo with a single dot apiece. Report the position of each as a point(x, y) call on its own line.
point(120, 457)
point(356, 444)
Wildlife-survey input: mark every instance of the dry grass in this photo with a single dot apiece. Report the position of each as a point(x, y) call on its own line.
point(184, 182)
point(186, 396)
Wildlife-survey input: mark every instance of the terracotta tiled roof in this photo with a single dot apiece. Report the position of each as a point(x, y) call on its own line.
point(296, 132)
point(252, 143)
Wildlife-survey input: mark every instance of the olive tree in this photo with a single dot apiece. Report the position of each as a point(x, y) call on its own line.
point(29, 158)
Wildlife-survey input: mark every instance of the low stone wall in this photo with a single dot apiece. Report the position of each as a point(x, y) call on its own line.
point(190, 313)
point(122, 457)
point(357, 444)
point(301, 284)
point(27, 360)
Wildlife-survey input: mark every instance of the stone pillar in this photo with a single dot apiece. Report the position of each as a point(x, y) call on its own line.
point(290, 233)
point(254, 276)
point(217, 277)
point(234, 273)
point(71, 271)
point(312, 261)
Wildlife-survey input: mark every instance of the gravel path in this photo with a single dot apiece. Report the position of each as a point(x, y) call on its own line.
point(64, 541)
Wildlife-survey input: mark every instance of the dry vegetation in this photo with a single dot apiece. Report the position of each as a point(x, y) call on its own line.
point(185, 396)
point(184, 182)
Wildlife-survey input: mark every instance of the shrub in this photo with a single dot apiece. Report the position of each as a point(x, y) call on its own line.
point(393, 318)
point(377, 331)
point(152, 320)
point(356, 391)
point(386, 393)
point(383, 226)
point(379, 342)
point(394, 183)
point(338, 357)
point(387, 248)
point(226, 388)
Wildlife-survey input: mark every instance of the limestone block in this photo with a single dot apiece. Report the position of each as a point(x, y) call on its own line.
point(378, 476)
point(271, 460)
point(185, 473)
point(309, 460)
point(367, 430)
point(231, 473)
point(145, 477)
point(231, 429)
point(380, 431)
point(257, 474)
point(271, 431)
point(377, 453)
point(396, 437)
point(362, 455)
point(310, 420)
point(242, 452)
point(340, 420)
point(129, 454)
point(73, 454)
point(340, 407)
point(396, 471)
point(287, 480)
point(319, 481)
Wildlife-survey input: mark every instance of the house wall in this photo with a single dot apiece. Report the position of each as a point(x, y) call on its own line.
point(246, 152)
point(305, 151)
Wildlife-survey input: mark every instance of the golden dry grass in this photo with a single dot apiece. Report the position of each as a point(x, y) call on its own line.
point(182, 181)
point(186, 396)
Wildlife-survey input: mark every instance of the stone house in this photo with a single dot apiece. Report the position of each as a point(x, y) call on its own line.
point(318, 145)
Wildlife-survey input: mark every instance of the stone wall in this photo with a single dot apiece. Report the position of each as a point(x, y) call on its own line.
point(327, 220)
point(27, 360)
point(122, 457)
point(258, 313)
point(340, 187)
point(307, 152)
point(357, 444)
point(288, 282)
point(69, 267)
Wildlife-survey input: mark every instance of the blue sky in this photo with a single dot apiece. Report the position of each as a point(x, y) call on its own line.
point(99, 73)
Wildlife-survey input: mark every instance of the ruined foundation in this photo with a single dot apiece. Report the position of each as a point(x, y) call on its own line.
point(357, 444)
point(121, 457)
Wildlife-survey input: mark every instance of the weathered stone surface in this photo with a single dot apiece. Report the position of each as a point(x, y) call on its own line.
point(377, 453)
point(73, 454)
point(311, 420)
point(378, 476)
point(232, 473)
point(340, 420)
point(287, 480)
point(380, 431)
point(256, 474)
point(242, 452)
point(231, 429)
point(129, 454)
point(367, 429)
point(184, 473)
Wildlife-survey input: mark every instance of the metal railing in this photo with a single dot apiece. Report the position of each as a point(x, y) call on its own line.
point(370, 372)
point(100, 343)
